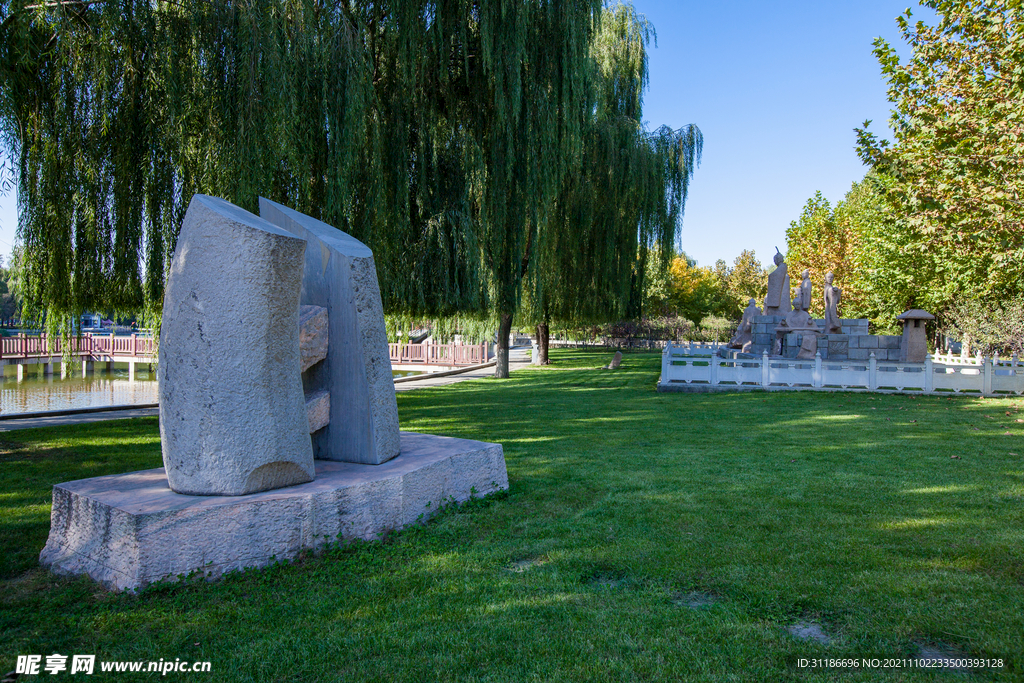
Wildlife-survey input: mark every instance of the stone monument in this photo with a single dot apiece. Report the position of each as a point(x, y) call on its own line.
point(914, 344)
point(799, 320)
point(254, 312)
point(833, 296)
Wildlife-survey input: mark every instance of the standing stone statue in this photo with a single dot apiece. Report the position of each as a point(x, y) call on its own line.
point(833, 295)
point(744, 336)
point(805, 290)
point(777, 300)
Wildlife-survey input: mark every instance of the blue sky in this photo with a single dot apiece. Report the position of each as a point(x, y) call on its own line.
point(776, 88)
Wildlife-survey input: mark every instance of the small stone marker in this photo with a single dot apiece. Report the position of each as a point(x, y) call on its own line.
point(232, 413)
point(914, 344)
point(616, 361)
point(340, 275)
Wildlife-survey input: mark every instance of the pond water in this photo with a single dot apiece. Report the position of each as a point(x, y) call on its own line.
point(103, 388)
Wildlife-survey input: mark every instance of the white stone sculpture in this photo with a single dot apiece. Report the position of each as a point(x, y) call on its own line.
point(340, 275)
point(233, 419)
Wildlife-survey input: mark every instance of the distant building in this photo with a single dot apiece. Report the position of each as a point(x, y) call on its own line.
point(91, 321)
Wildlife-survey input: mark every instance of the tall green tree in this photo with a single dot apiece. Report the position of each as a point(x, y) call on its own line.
point(954, 172)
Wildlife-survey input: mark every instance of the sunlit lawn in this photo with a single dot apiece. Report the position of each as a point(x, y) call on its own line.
point(645, 537)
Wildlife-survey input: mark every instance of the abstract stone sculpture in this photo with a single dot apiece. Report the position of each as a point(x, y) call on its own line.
point(340, 275)
point(777, 300)
point(233, 418)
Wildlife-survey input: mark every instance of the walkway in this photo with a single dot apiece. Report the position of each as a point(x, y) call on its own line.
point(518, 358)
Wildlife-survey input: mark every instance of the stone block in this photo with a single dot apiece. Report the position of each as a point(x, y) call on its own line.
point(313, 335)
point(232, 413)
point(838, 349)
point(867, 341)
point(129, 530)
point(318, 410)
point(341, 276)
point(859, 354)
point(889, 341)
point(763, 339)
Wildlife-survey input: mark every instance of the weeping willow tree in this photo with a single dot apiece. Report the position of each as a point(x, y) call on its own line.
point(463, 140)
point(436, 132)
point(626, 201)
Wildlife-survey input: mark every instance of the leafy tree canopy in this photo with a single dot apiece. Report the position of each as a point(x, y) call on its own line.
point(954, 177)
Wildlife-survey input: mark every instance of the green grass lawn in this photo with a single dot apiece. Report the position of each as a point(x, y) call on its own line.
point(645, 536)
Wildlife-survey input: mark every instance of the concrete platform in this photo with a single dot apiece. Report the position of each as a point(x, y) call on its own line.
point(129, 530)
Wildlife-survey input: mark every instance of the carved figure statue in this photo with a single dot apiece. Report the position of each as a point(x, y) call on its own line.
point(777, 300)
point(744, 336)
point(833, 296)
point(805, 291)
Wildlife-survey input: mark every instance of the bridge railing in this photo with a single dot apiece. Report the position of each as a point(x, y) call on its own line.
point(438, 354)
point(40, 346)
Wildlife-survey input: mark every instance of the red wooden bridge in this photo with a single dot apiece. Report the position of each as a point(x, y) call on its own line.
point(453, 355)
point(26, 349)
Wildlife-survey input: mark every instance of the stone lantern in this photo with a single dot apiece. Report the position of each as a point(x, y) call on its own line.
point(914, 345)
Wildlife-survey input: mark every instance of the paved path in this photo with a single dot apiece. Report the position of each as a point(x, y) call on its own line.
point(83, 418)
point(518, 358)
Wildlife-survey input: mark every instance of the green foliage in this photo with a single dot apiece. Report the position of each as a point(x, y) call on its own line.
point(618, 213)
point(954, 172)
point(988, 328)
point(867, 250)
point(436, 133)
point(748, 279)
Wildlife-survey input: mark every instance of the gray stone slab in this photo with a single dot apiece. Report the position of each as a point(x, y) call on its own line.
point(867, 341)
point(889, 341)
point(838, 349)
point(762, 339)
point(313, 335)
point(859, 354)
point(318, 410)
point(232, 413)
point(129, 530)
point(342, 277)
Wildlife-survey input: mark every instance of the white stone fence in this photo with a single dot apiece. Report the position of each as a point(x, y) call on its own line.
point(686, 369)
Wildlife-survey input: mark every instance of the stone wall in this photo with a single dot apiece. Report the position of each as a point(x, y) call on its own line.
point(853, 344)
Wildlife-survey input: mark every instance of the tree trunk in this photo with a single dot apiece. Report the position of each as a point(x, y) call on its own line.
point(501, 348)
point(542, 343)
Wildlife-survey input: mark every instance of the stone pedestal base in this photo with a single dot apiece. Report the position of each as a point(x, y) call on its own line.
point(128, 530)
